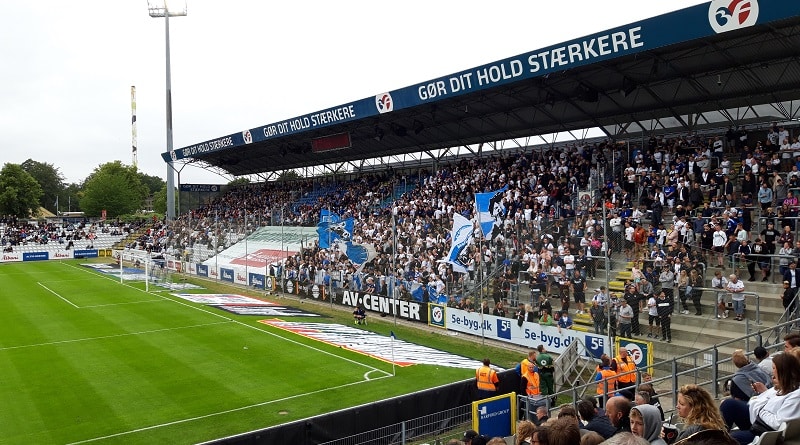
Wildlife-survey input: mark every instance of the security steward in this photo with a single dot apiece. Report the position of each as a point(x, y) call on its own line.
point(621, 364)
point(487, 380)
point(605, 373)
point(530, 387)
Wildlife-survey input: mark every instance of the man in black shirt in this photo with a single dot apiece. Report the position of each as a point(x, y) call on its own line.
point(578, 285)
point(770, 235)
point(634, 298)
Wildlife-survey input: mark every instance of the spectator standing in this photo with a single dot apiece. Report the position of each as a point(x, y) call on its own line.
point(486, 380)
point(625, 315)
point(665, 307)
point(547, 371)
point(736, 287)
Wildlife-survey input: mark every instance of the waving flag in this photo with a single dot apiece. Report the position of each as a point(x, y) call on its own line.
point(332, 229)
point(491, 211)
point(461, 237)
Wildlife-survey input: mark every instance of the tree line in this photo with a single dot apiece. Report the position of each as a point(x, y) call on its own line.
point(117, 188)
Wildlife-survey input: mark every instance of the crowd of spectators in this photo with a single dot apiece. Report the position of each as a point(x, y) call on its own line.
point(15, 233)
point(674, 203)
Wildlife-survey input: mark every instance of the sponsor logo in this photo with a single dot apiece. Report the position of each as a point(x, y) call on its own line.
point(636, 353)
point(173, 155)
point(289, 286)
point(369, 343)
point(257, 281)
point(315, 292)
point(223, 299)
point(384, 305)
point(202, 270)
point(268, 283)
point(271, 311)
point(504, 329)
point(11, 257)
point(437, 315)
point(227, 274)
point(248, 138)
point(727, 15)
point(384, 103)
point(62, 255)
point(35, 256)
point(595, 346)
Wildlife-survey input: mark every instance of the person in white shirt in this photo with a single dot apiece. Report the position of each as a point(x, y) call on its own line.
point(569, 263)
point(720, 282)
point(736, 287)
point(652, 317)
point(628, 240)
point(719, 238)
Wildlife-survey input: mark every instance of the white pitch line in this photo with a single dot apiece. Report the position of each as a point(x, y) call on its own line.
point(227, 411)
point(120, 304)
point(257, 328)
point(102, 337)
point(57, 295)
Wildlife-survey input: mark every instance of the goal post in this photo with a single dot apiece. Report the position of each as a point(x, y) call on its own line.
point(140, 265)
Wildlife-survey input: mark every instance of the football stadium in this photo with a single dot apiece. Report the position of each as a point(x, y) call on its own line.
point(438, 272)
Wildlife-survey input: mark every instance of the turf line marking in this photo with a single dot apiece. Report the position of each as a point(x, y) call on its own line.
point(111, 336)
point(120, 304)
point(227, 411)
point(257, 328)
point(57, 295)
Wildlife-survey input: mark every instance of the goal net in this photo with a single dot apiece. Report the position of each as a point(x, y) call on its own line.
point(142, 266)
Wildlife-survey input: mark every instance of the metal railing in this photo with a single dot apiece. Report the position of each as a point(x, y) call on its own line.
point(438, 427)
point(706, 367)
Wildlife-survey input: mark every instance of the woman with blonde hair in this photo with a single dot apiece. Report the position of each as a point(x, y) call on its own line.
point(525, 430)
point(683, 283)
point(698, 410)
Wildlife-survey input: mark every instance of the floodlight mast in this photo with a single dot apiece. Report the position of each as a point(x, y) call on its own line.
point(162, 9)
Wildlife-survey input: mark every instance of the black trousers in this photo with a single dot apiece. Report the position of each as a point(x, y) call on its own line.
point(666, 328)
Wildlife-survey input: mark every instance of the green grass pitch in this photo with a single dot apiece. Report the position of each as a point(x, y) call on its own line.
point(87, 359)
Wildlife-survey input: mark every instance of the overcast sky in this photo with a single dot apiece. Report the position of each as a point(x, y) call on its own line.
point(66, 68)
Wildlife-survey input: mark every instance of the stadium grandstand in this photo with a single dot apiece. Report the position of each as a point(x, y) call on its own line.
point(693, 186)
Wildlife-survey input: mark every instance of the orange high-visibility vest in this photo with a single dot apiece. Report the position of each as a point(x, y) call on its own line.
point(611, 376)
point(532, 388)
point(625, 367)
point(487, 378)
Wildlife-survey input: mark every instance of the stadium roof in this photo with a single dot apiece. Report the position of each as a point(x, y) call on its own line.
point(710, 57)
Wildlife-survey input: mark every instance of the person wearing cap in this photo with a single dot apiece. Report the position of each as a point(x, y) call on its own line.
point(473, 438)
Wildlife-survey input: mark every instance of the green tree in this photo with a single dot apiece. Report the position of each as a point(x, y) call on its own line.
point(239, 181)
point(49, 178)
point(160, 201)
point(289, 175)
point(19, 192)
point(153, 183)
point(115, 188)
point(70, 200)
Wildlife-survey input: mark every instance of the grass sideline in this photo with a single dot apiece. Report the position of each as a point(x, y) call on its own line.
point(85, 359)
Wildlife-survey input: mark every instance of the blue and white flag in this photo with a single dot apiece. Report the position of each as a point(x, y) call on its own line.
point(461, 237)
point(491, 211)
point(332, 229)
point(417, 292)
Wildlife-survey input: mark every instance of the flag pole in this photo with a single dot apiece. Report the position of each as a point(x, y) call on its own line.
point(394, 268)
point(391, 342)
